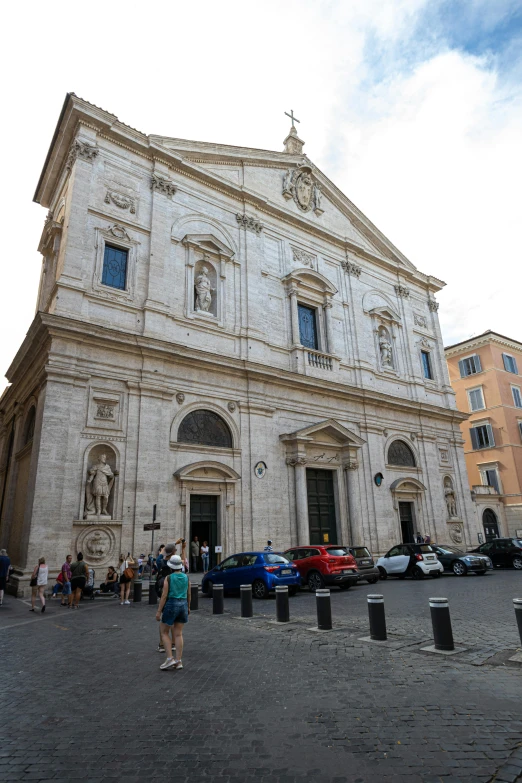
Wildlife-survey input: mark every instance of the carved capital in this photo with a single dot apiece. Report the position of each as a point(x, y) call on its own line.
point(83, 150)
point(402, 291)
point(352, 464)
point(351, 269)
point(246, 221)
point(433, 306)
point(162, 185)
point(296, 460)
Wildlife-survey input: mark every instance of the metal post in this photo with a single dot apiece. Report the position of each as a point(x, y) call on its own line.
point(218, 592)
point(324, 610)
point(282, 606)
point(194, 597)
point(517, 605)
point(441, 621)
point(377, 618)
point(138, 586)
point(246, 601)
point(153, 598)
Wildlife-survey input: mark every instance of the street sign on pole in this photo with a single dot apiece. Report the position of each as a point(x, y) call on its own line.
point(152, 526)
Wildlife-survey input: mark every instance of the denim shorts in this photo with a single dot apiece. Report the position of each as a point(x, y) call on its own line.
point(66, 590)
point(175, 611)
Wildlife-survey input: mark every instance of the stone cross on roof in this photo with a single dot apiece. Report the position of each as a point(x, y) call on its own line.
point(291, 115)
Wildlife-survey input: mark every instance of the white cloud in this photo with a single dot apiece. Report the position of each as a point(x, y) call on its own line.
point(423, 138)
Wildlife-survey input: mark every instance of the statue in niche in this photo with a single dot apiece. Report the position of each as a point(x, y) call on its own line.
point(98, 488)
point(203, 291)
point(385, 348)
point(451, 501)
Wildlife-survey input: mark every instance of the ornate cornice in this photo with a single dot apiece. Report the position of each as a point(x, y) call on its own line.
point(249, 222)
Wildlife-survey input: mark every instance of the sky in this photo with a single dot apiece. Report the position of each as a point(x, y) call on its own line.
point(412, 107)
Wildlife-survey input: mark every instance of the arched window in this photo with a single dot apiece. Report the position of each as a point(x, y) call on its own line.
point(400, 454)
point(205, 428)
point(29, 426)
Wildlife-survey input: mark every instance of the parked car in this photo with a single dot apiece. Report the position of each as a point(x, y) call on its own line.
point(504, 552)
point(263, 570)
point(365, 564)
point(415, 560)
point(324, 565)
point(461, 563)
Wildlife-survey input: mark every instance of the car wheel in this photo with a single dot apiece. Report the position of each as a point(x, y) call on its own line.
point(517, 562)
point(435, 575)
point(344, 587)
point(207, 590)
point(292, 590)
point(373, 580)
point(459, 568)
point(382, 573)
point(259, 589)
point(315, 581)
point(417, 573)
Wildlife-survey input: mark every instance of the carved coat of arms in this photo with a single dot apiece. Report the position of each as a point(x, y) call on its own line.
point(299, 184)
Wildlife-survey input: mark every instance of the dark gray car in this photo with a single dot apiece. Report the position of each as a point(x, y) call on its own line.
point(461, 563)
point(367, 568)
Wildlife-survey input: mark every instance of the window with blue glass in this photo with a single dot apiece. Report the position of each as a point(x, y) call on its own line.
point(115, 267)
point(307, 327)
point(426, 364)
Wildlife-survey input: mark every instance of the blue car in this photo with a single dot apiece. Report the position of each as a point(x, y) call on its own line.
point(263, 570)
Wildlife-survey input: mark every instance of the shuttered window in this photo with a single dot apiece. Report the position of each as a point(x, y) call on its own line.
point(470, 366)
point(520, 428)
point(482, 437)
point(517, 397)
point(510, 363)
point(115, 267)
point(492, 479)
point(476, 399)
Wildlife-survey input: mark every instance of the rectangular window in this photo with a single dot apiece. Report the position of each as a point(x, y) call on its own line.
point(426, 364)
point(517, 397)
point(470, 366)
point(491, 477)
point(520, 429)
point(115, 267)
point(476, 399)
point(307, 326)
point(510, 363)
point(482, 437)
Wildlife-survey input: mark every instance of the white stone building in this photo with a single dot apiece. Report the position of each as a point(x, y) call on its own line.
point(245, 347)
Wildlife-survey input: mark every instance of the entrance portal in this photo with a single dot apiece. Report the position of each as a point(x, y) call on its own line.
point(490, 523)
point(203, 523)
point(321, 506)
point(406, 517)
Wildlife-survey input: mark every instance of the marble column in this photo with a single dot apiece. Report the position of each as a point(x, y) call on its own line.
point(355, 530)
point(294, 316)
point(301, 500)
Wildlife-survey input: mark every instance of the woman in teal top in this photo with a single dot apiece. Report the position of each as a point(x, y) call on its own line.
point(173, 610)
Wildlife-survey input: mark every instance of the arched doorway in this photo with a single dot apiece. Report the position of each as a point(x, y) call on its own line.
point(490, 523)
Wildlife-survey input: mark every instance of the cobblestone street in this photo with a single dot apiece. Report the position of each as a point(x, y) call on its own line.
point(83, 696)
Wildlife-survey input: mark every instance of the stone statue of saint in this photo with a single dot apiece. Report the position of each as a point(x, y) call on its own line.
point(386, 351)
point(318, 196)
point(98, 488)
point(451, 502)
point(203, 291)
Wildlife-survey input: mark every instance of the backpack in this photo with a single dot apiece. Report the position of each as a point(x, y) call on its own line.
point(160, 581)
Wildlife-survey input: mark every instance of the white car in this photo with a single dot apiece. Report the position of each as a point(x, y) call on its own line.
point(415, 560)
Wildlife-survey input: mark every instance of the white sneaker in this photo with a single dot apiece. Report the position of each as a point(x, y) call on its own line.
point(168, 664)
point(161, 649)
point(127, 602)
point(178, 665)
point(121, 603)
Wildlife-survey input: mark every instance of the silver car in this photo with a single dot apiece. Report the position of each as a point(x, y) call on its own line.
point(365, 564)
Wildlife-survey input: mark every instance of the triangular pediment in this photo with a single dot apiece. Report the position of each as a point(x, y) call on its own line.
point(326, 431)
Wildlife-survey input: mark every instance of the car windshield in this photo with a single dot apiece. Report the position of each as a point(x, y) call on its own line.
point(360, 551)
point(450, 550)
point(337, 552)
point(271, 558)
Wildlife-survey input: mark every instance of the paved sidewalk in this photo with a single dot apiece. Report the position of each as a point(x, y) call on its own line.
point(83, 696)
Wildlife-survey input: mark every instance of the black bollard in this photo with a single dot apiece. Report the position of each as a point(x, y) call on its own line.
point(441, 621)
point(282, 606)
point(194, 597)
point(138, 586)
point(517, 605)
point(218, 592)
point(153, 597)
point(377, 618)
point(246, 601)
point(324, 610)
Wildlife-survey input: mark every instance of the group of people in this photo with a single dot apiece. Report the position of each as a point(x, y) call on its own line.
point(197, 551)
point(70, 581)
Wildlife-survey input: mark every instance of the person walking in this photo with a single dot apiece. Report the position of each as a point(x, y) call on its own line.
point(5, 564)
point(205, 555)
point(173, 611)
point(79, 574)
point(66, 582)
point(194, 553)
point(39, 583)
point(126, 576)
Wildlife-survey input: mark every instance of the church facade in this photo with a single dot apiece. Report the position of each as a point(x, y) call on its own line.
point(222, 333)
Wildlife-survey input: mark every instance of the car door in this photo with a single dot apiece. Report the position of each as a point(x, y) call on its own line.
point(444, 557)
point(394, 560)
point(228, 568)
point(501, 549)
point(244, 573)
point(302, 562)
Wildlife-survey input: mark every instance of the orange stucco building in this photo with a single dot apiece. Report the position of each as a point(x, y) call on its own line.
point(486, 374)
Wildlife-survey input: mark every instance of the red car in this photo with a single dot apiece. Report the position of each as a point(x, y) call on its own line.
point(324, 565)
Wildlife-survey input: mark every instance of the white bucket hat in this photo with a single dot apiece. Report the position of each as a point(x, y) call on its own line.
point(175, 563)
